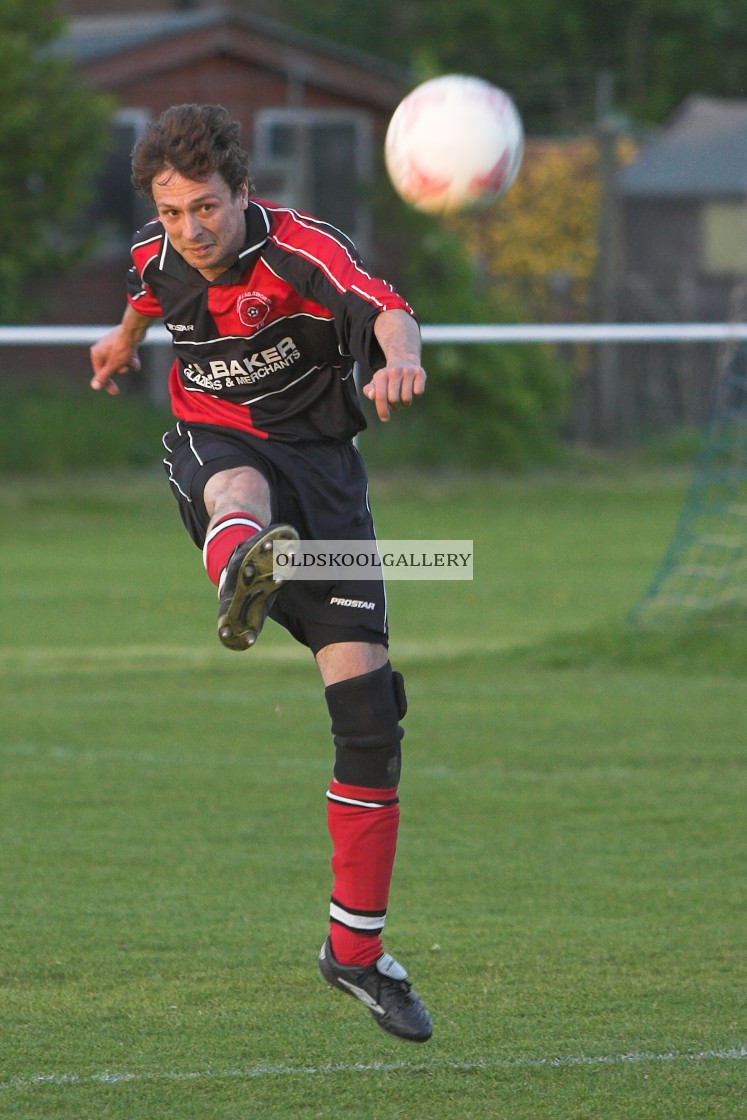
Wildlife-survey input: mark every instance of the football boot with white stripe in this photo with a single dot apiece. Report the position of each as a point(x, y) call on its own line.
point(249, 586)
point(384, 989)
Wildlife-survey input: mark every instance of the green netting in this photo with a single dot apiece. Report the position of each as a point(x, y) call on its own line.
point(704, 571)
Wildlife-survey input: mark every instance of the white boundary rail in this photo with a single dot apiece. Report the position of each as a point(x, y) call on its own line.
point(587, 332)
point(448, 332)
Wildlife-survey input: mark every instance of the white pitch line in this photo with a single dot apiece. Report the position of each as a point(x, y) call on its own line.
point(251, 1072)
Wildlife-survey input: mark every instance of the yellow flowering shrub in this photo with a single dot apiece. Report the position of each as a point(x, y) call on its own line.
point(546, 227)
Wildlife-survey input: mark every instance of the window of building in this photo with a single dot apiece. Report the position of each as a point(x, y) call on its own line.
point(724, 237)
point(319, 161)
point(117, 210)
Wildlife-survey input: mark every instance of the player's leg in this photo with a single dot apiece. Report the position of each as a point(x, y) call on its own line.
point(243, 488)
point(344, 624)
point(224, 487)
point(238, 552)
point(342, 660)
point(238, 504)
point(366, 701)
point(365, 712)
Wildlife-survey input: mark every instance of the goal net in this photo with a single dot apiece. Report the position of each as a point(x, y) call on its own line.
point(704, 571)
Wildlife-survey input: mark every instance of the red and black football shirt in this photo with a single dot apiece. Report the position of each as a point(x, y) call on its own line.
point(269, 346)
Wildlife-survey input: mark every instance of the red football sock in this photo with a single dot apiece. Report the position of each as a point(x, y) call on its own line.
point(363, 825)
point(222, 537)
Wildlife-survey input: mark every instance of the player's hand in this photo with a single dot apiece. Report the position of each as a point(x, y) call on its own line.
point(113, 354)
point(395, 386)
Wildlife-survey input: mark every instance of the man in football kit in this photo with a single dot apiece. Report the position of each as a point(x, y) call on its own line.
point(269, 309)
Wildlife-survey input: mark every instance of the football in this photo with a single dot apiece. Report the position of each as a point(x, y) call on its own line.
point(453, 144)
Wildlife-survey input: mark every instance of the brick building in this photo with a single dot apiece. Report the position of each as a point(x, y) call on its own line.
point(313, 114)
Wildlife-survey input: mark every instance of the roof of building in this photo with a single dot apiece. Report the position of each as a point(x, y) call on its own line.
point(94, 38)
point(702, 152)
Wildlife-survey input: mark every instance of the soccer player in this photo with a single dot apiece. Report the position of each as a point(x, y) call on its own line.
point(269, 309)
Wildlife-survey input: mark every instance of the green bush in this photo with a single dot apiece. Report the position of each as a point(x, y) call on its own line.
point(53, 429)
point(485, 405)
point(480, 409)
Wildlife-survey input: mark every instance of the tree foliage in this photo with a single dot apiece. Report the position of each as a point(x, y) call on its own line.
point(549, 53)
point(540, 244)
point(541, 241)
point(52, 131)
point(490, 405)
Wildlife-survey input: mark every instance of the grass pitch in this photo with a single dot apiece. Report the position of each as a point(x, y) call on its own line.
point(569, 893)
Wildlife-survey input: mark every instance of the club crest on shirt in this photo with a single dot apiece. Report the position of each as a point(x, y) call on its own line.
point(252, 309)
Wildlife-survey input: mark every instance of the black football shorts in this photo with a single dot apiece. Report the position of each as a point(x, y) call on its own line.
point(321, 489)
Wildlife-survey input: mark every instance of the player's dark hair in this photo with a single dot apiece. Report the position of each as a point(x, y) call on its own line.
point(194, 140)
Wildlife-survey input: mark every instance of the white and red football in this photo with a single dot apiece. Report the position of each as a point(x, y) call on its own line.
point(454, 143)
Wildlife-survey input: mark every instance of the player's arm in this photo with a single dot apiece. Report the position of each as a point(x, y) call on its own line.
point(402, 377)
point(117, 352)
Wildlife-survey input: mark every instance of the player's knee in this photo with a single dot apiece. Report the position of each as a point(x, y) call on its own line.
point(365, 712)
point(238, 488)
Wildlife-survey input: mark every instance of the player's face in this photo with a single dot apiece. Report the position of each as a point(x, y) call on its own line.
point(203, 220)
